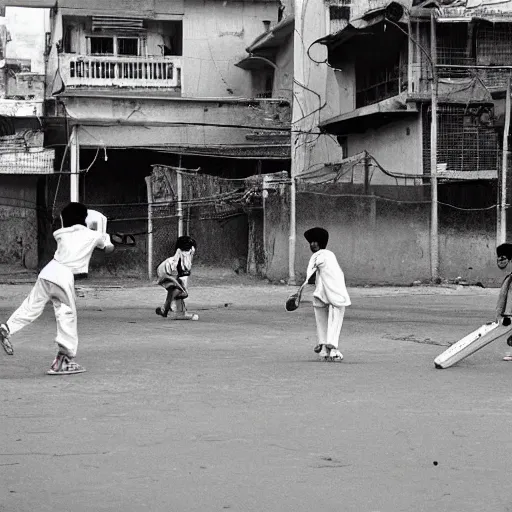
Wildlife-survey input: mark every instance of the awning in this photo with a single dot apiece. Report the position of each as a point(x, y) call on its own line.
point(275, 37)
point(255, 62)
point(362, 26)
point(370, 116)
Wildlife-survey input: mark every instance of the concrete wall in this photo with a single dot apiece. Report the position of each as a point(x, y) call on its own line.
point(215, 35)
point(144, 112)
point(27, 28)
point(313, 100)
point(381, 241)
point(19, 220)
point(283, 75)
point(396, 146)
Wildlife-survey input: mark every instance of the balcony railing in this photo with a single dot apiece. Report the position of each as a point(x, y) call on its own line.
point(95, 71)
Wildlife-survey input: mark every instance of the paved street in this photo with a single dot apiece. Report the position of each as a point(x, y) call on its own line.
point(235, 413)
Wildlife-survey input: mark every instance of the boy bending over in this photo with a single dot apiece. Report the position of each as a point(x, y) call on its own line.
point(173, 274)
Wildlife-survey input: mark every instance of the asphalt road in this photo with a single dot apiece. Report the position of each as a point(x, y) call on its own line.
point(235, 412)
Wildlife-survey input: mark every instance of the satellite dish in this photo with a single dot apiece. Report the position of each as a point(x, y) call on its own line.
point(394, 12)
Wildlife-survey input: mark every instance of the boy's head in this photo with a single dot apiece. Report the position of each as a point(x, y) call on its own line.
point(185, 243)
point(72, 214)
point(504, 255)
point(317, 238)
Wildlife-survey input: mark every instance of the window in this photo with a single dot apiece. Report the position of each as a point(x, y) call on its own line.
point(101, 45)
point(127, 46)
point(113, 45)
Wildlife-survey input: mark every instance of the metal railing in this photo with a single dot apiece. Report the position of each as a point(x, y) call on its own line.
point(101, 71)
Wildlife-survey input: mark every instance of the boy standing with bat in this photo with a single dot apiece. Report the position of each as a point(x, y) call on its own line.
point(330, 296)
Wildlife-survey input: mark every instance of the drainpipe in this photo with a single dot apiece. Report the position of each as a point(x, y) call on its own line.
point(74, 182)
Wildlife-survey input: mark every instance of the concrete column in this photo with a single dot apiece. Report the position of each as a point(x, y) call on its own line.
point(74, 192)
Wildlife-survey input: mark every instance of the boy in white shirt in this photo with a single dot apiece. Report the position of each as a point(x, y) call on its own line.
point(173, 274)
point(330, 296)
point(56, 283)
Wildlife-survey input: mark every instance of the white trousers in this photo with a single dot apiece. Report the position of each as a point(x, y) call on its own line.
point(329, 320)
point(64, 307)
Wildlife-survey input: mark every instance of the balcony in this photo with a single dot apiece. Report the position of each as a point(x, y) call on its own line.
point(114, 71)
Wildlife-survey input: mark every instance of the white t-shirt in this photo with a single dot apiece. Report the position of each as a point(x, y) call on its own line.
point(330, 280)
point(75, 246)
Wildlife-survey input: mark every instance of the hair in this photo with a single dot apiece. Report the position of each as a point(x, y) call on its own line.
point(185, 243)
point(319, 235)
point(73, 214)
point(504, 250)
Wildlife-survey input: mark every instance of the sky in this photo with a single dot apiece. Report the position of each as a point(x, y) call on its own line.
point(27, 27)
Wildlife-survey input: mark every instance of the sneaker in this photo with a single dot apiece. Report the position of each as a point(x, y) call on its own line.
point(160, 312)
point(335, 355)
point(324, 353)
point(64, 365)
point(507, 357)
point(317, 349)
point(4, 339)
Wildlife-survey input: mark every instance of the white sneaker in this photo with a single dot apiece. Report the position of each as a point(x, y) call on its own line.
point(335, 355)
point(507, 357)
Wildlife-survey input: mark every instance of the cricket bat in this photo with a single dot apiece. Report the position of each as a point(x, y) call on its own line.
point(471, 343)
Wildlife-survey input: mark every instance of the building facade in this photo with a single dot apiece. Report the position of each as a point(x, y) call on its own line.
point(130, 85)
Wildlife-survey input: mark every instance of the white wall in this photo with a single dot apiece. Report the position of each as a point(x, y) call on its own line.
point(396, 146)
point(283, 75)
point(27, 28)
point(215, 36)
point(312, 103)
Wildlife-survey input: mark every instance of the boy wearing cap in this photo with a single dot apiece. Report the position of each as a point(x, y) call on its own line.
point(330, 297)
point(56, 283)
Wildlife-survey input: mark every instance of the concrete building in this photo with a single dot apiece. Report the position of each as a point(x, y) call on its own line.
point(24, 162)
point(361, 139)
point(134, 84)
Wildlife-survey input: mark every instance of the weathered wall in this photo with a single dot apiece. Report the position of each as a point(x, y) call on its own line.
point(27, 28)
point(18, 220)
point(396, 146)
point(312, 103)
point(144, 112)
point(382, 241)
point(340, 91)
point(283, 75)
point(215, 35)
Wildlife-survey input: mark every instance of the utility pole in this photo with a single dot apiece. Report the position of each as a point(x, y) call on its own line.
point(74, 180)
point(434, 220)
point(502, 203)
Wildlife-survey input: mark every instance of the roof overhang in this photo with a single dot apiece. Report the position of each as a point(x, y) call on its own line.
point(253, 62)
point(370, 116)
point(273, 38)
point(393, 12)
